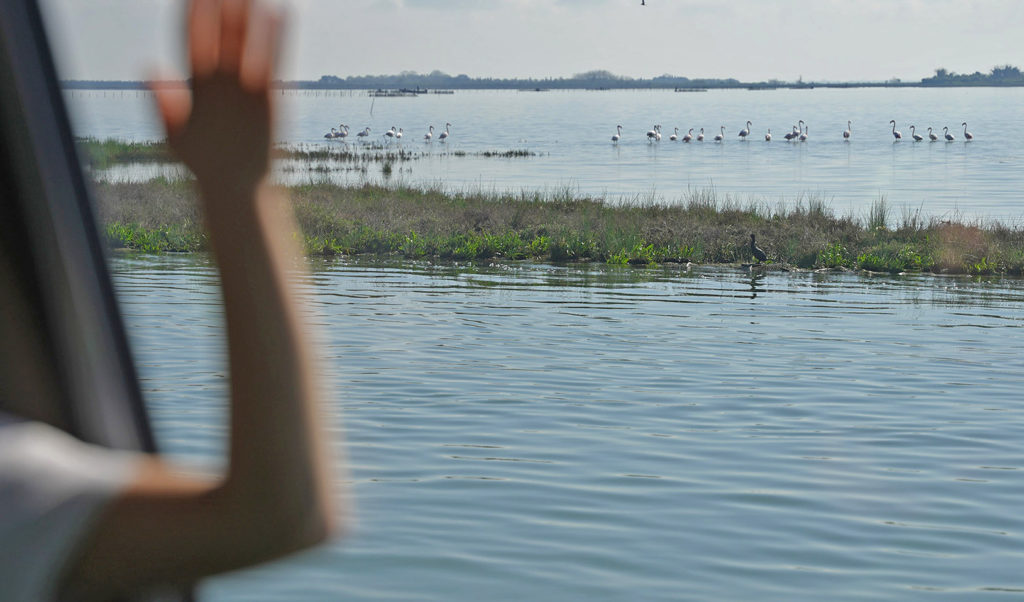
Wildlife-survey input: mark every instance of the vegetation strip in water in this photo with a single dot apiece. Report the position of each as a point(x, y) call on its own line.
point(101, 154)
point(703, 227)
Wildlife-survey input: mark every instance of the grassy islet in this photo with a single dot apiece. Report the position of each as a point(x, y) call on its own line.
point(700, 227)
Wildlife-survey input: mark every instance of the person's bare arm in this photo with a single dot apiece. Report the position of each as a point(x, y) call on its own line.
point(274, 499)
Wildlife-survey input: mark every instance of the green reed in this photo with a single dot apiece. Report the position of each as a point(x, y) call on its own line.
point(702, 226)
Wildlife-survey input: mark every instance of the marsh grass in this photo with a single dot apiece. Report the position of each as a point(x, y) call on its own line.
point(507, 154)
point(345, 154)
point(101, 154)
point(158, 215)
point(563, 226)
point(878, 214)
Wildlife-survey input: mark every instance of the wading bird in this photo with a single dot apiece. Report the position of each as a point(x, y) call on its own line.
point(721, 135)
point(390, 133)
point(364, 133)
point(618, 133)
point(895, 134)
point(429, 135)
point(700, 136)
point(398, 134)
point(342, 131)
point(757, 251)
point(675, 135)
point(967, 135)
point(949, 137)
point(792, 134)
point(331, 134)
point(688, 136)
point(931, 135)
point(913, 134)
point(803, 134)
point(444, 135)
point(768, 136)
point(849, 130)
point(745, 131)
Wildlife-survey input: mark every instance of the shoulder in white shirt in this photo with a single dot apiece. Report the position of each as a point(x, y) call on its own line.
point(52, 487)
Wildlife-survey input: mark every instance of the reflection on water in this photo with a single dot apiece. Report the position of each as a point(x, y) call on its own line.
point(590, 432)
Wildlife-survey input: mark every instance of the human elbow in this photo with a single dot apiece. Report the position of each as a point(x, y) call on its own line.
point(301, 524)
point(270, 525)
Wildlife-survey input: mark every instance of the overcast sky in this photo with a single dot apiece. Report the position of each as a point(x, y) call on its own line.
point(747, 39)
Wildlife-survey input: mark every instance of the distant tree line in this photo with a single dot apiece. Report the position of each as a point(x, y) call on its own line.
point(599, 79)
point(102, 84)
point(1007, 75)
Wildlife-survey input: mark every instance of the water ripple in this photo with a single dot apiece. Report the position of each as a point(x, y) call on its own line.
point(546, 432)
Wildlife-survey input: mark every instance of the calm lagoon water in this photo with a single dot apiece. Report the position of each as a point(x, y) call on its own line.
point(570, 133)
point(529, 432)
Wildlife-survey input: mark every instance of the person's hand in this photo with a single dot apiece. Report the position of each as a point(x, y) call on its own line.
point(221, 128)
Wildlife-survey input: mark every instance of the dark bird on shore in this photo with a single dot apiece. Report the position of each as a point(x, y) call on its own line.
point(756, 251)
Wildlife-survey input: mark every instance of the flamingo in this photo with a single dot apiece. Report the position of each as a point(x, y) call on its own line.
point(949, 137)
point(913, 134)
point(652, 133)
point(792, 134)
point(343, 131)
point(688, 136)
point(398, 134)
point(700, 136)
point(332, 134)
point(674, 136)
point(932, 136)
point(803, 134)
point(967, 135)
point(895, 134)
point(444, 135)
point(390, 133)
point(768, 136)
point(429, 134)
point(364, 133)
point(849, 130)
point(657, 132)
point(618, 133)
point(745, 131)
point(721, 135)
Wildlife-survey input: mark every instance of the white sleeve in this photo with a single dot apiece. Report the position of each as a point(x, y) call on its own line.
point(52, 486)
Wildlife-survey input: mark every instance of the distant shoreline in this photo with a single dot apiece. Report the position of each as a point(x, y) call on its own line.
point(412, 84)
point(313, 85)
